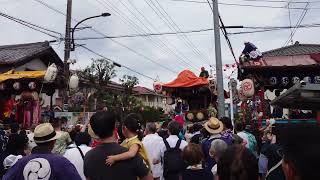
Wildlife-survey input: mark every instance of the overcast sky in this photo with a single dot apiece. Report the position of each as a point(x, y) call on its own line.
point(137, 17)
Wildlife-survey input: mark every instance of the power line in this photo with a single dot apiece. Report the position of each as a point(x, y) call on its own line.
point(243, 5)
point(130, 69)
point(224, 32)
point(175, 48)
point(280, 1)
point(23, 21)
point(150, 34)
point(160, 44)
point(102, 34)
point(165, 17)
point(31, 26)
point(303, 14)
point(157, 44)
point(178, 28)
point(261, 29)
point(136, 52)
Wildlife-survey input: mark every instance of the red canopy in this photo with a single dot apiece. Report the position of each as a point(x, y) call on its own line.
point(187, 79)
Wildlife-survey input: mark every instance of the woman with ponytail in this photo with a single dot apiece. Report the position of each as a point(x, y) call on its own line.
point(131, 129)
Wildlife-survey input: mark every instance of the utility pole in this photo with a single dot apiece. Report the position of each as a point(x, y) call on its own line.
point(219, 73)
point(67, 42)
point(67, 49)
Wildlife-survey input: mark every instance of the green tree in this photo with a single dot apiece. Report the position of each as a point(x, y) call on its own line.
point(129, 82)
point(98, 74)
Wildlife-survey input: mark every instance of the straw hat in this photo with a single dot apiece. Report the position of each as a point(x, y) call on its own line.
point(44, 133)
point(214, 126)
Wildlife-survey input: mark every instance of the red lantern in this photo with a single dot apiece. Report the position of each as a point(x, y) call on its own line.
point(157, 86)
point(247, 88)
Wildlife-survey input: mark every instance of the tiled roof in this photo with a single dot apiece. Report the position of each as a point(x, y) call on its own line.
point(296, 49)
point(143, 90)
point(12, 54)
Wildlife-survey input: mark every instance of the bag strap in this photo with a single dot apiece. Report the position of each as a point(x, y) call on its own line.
point(166, 144)
point(80, 152)
point(274, 168)
point(178, 144)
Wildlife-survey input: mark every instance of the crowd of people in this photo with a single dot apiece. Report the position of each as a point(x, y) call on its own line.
point(104, 149)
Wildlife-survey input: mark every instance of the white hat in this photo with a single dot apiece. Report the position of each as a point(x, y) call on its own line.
point(44, 133)
point(10, 160)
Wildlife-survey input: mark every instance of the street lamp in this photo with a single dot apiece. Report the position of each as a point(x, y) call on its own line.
point(73, 29)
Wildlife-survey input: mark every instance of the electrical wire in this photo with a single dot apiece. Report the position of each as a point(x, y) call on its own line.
point(31, 26)
point(136, 52)
point(303, 14)
point(62, 13)
point(165, 17)
point(184, 59)
point(143, 35)
point(290, 22)
point(261, 29)
point(102, 34)
point(243, 5)
point(160, 44)
point(104, 57)
point(178, 28)
point(224, 32)
point(280, 1)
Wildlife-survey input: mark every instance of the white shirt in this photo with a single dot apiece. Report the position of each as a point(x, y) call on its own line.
point(172, 141)
point(245, 138)
point(74, 156)
point(151, 142)
point(214, 170)
point(31, 143)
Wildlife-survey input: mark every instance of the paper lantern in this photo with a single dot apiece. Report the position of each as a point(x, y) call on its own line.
point(295, 80)
point(307, 79)
point(2, 86)
point(157, 86)
point(317, 79)
point(74, 82)
point(16, 85)
point(32, 85)
point(284, 81)
point(170, 101)
point(200, 116)
point(190, 116)
point(241, 96)
point(247, 88)
point(51, 73)
point(273, 81)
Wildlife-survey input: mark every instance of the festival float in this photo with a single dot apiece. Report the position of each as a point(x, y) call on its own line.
point(265, 76)
point(21, 94)
point(195, 97)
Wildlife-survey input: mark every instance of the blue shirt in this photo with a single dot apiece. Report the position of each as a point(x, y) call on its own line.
point(42, 166)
